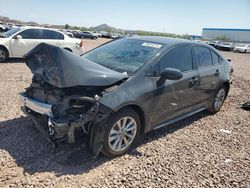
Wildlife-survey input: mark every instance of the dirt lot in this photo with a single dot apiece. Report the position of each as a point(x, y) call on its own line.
point(190, 153)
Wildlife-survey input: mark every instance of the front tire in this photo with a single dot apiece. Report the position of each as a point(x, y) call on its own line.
point(218, 100)
point(122, 131)
point(4, 55)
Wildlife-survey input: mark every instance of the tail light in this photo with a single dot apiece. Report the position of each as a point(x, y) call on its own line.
point(81, 44)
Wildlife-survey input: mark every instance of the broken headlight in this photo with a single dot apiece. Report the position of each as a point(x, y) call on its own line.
point(78, 106)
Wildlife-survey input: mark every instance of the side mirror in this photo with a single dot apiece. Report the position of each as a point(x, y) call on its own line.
point(229, 60)
point(171, 74)
point(19, 37)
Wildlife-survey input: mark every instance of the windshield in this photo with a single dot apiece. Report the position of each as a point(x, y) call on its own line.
point(10, 32)
point(124, 55)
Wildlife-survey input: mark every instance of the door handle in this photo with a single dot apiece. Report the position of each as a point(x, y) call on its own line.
point(217, 73)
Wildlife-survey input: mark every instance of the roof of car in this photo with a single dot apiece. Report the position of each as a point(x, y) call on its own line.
point(37, 27)
point(164, 40)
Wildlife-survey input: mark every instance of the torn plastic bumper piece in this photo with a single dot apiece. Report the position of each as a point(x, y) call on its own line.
point(56, 127)
point(39, 127)
point(98, 118)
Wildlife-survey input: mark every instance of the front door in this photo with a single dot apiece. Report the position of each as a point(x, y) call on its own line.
point(21, 46)
point(174, 97)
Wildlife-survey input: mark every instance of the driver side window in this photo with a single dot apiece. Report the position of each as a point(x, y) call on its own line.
point(30, 34)
point(179, 58)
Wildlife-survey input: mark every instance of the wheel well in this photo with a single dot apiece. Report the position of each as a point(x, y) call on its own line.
point(3, 47)
point(68, 49)
point(140, 113)
point(227, 86)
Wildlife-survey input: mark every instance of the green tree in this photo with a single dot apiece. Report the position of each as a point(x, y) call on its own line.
point(67, 26)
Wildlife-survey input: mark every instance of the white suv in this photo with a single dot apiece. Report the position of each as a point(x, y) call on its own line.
point(18, 41)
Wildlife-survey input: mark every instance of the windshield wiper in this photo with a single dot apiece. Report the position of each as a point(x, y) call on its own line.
point(2, 36)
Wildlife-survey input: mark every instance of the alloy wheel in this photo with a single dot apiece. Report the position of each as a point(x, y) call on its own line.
point(219, 99)
point(122, 134)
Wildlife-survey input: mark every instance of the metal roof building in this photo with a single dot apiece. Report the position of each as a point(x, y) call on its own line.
point(237, 35)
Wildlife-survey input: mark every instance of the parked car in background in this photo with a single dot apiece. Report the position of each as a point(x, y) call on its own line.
point(242, 48)
point(215, 44)
point(116, 35)
point(70, 34)
point(105, 34)
point(122, 89)
point(225, 46)
point(18, 41)
point(3, 28)
point(95, 33)
point(86, 35)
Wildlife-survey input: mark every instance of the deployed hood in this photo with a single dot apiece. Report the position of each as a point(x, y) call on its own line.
point(62, 68)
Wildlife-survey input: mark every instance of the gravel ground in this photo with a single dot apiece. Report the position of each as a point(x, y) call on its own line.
point(191, 153)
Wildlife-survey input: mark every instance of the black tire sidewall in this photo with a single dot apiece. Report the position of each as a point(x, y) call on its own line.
point(212, 105)
point(6, 55)
point(118, 115)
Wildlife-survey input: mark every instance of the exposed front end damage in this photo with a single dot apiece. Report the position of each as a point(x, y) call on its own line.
point(67, 118)
point(59, 101)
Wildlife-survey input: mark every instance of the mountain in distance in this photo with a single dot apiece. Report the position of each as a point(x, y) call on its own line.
point(103, 27)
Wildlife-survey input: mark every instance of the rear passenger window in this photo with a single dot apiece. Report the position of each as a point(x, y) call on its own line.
point(178, 58)
point(203, 56)
point(48, 34)
point(215, 58)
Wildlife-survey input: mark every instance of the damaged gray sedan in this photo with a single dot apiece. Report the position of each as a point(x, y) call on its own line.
point(122, 89)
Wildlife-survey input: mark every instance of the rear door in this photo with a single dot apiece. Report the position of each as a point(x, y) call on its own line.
point(209, 72)
point(51, 37)
point(29, 40)
point(174, 97)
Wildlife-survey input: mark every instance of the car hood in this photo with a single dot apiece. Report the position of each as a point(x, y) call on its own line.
point(65, 69)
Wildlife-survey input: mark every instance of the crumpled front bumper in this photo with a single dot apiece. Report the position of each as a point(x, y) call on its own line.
point(98, 118)
point(41, 108)
point(56, 128)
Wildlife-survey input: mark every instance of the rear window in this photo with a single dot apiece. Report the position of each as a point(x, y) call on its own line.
point(215, 58)
point(49, 34)
point(203, 56)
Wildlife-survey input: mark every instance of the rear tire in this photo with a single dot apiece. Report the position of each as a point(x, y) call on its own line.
point(122, 132)
point(217, 100)
point(4, 55)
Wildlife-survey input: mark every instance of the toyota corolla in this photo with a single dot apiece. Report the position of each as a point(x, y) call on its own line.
point(123, 89)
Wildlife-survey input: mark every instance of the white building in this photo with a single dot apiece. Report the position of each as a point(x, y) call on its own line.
point(237, 35)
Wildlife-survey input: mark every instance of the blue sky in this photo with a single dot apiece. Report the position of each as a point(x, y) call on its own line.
point(171, 16)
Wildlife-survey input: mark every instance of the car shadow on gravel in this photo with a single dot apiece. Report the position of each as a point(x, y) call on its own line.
point(30, 151)
point(15, 60)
